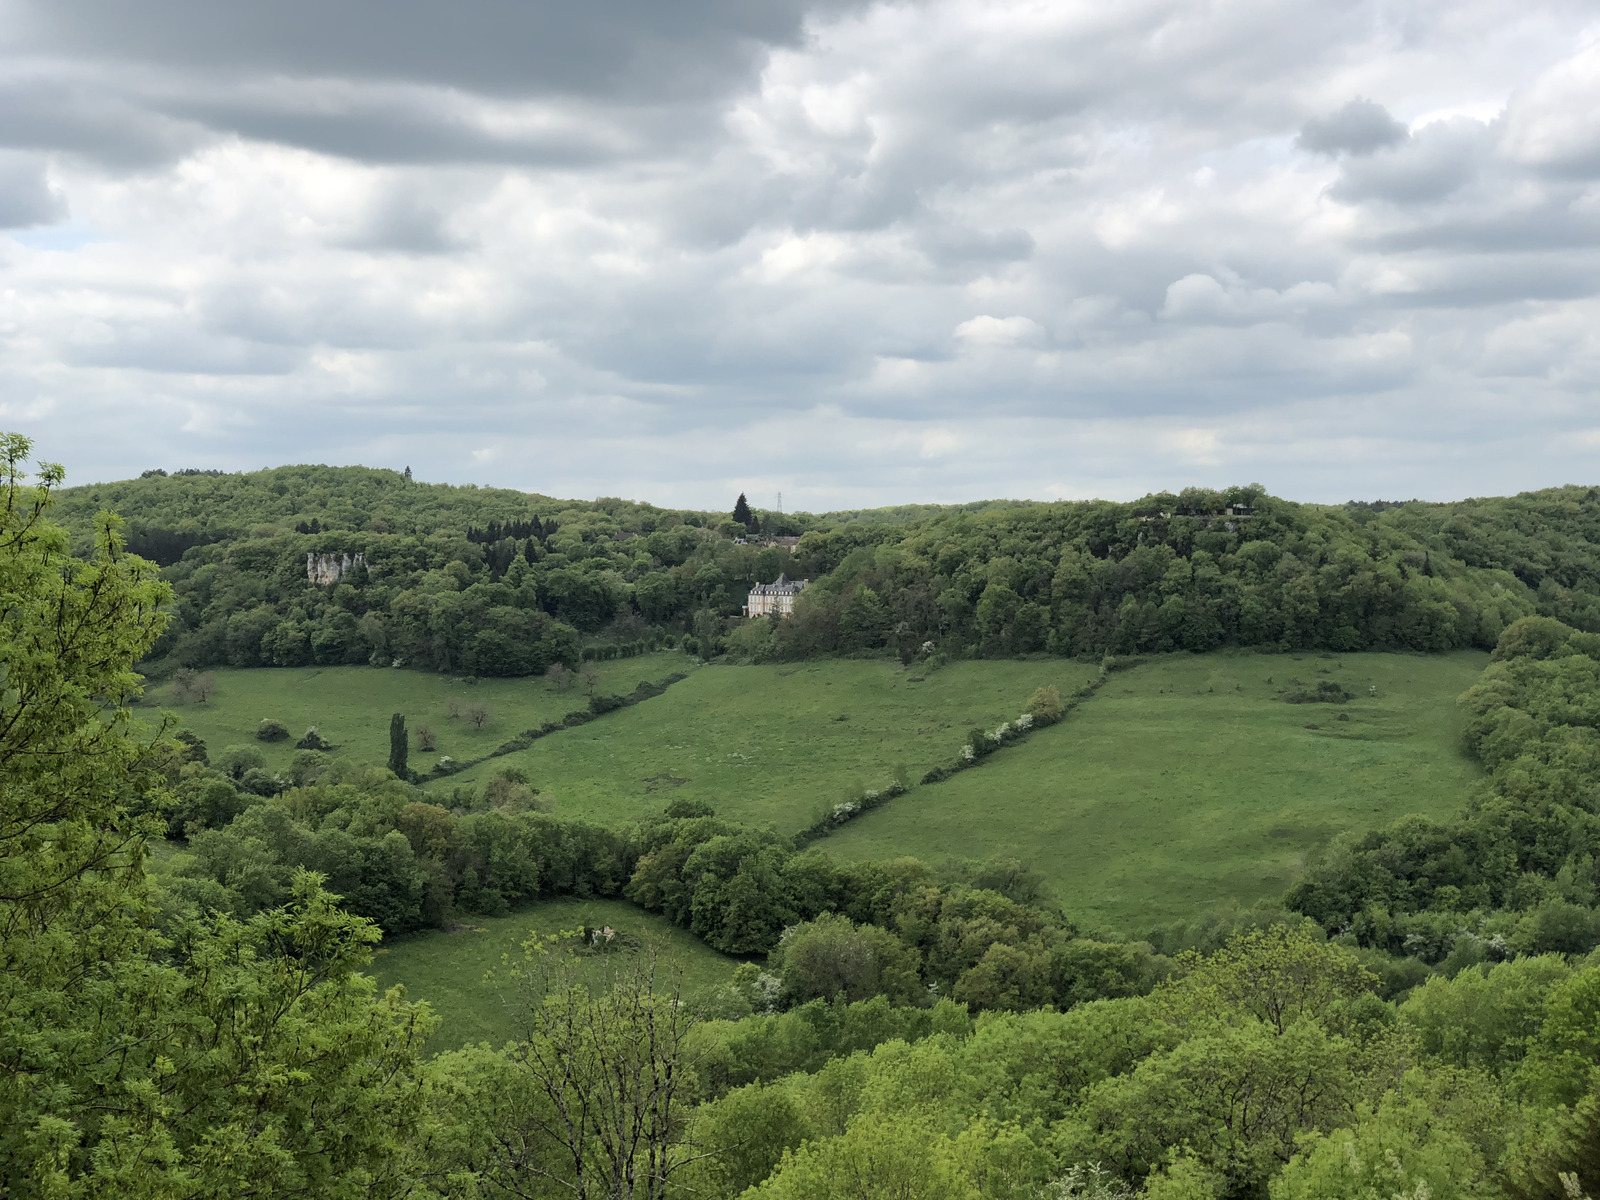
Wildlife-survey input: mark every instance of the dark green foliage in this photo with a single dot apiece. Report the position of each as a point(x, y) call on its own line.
point(743, 515)
point(1326, 692)
point(504, 583)
point(314, 741)
point(273, 731)
point(399, 746)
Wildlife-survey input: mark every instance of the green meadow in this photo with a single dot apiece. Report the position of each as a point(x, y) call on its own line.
point(1184, 783)
point(351, 706)
point(452, 971)
point(771, 745)
point(1187, 782)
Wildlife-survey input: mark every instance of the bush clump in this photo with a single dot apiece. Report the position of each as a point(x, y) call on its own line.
point(314, 741)
point(272, 731)
point(1326, 692)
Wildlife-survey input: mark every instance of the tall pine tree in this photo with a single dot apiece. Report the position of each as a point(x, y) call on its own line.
point(742, 513)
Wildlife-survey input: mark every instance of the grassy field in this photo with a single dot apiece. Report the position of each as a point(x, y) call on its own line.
point(1183, 782)
point(448, 969)
point(1186, 781)
point(351, 706)
point(770, 745)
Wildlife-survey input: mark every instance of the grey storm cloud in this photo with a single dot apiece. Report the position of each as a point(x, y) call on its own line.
point(1360, 127)
point(856, 252)
point(26, 198)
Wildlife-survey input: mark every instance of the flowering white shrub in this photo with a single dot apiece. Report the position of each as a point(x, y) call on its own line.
point(999, 735)
point(767, 989)
point(1024, 722)
point(843, 812)
point(869, 795)
point(968, 753)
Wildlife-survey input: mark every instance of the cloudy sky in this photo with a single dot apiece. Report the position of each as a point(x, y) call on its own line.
point(859, 253)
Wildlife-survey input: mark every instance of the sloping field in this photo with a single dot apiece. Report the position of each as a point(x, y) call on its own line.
point(448, 969)
point(771, 745)
point(351, 706)
point(1188, 781)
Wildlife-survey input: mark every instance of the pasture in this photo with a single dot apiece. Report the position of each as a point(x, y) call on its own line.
point(772, 745)
point(449, 970)
point(351, 706)
point(1188, 781)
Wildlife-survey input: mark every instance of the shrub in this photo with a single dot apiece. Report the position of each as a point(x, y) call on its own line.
point(272, 731)
point(313, 741)
point(307, 767)
point(236, 760)
point(1045, 705)
point(1326, 692)
point(194, 746)
point(260, 781)
point(192, 687)
point(426, 738)
point(510, 790)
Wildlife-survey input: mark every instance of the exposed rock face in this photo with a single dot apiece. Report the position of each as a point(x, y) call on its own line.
point(323, 569)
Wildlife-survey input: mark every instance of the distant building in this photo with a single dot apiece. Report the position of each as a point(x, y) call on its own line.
point(776, 598)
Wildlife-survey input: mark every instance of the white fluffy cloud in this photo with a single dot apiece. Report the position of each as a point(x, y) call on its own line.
point(856, 253)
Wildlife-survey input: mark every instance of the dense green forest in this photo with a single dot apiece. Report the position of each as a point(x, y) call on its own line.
point(1419, 1018)
point(303, 565)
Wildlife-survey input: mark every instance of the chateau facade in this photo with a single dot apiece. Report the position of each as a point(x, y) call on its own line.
point(775, 599)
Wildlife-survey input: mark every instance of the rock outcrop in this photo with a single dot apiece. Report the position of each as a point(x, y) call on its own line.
point(323, 569)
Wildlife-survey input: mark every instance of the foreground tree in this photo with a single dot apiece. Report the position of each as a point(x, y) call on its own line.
point(591, 1100)
point(232, 1058)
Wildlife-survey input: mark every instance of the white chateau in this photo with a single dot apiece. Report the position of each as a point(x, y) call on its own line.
point(774, 599)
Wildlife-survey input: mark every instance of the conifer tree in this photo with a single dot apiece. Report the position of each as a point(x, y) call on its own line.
point(399, 746)
point(742, 513)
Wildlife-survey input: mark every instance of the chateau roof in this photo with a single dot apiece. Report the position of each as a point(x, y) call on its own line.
point(782, 586)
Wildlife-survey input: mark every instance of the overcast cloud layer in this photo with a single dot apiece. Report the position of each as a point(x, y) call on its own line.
point(856, 253)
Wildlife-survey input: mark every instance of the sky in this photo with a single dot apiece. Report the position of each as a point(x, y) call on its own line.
point(853, 253)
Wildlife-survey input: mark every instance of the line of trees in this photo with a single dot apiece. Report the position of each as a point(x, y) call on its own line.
point(505, 583)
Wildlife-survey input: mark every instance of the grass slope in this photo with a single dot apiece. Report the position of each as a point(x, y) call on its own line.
point(1186, 781)
point(351, 706)
point(773, 744)
point(448, 969)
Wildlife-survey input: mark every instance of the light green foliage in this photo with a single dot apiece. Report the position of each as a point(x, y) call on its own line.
point(1485, 1017)
point(352, 707)
point(1282, 1035)
point(773, 745)
point(230, 1056)
point(1403, 1149)
point(900, 1156)
point(1187, 1178)
point(1239, 1096)
point(589, 1100)
point(1185, 782)
point(731, 1053)
point(1563, 1061)
point(1274, 977)
point(834, 957)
